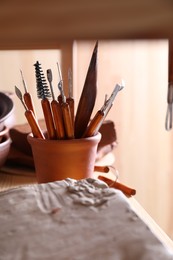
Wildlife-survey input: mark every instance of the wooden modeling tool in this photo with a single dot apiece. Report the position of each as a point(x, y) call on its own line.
point(56, 110)
point(68, 125)
point(67, 119)
point(30, 117)
point(27, 97)
point(117, 185)
point(100, 116)
point(88, 97)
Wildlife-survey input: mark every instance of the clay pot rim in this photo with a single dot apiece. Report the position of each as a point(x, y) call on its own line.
point(65, 141)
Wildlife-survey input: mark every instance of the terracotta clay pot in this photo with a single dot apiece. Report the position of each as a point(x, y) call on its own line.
point(60, 159)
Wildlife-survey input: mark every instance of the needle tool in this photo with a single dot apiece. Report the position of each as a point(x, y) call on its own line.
point(56, 110)
point(43, 93)
point(69, 129)
point(70, 99)
point(67, 119)
point(27, 97)
point(60, 82)
point(98, 119)
point(35, 128)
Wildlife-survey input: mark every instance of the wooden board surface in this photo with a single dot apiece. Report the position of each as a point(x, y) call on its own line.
point(44, 24)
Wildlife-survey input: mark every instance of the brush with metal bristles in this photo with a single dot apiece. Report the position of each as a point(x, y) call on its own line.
point(44, 94)
point(56, 110)
point(30, 117)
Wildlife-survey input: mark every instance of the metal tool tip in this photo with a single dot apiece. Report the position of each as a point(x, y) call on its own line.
point(49, 74)
point(122, 83)
point(96, 45)
point(18, 92)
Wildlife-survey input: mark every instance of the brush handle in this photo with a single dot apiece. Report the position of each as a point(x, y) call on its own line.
point(58, 119)
point(69, 129)
point(70, 101)
point(48, 118)
point(34, 124)
point(29, 102)
point(95, 124)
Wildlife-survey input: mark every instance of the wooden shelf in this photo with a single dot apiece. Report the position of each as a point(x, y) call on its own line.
point(45, 24)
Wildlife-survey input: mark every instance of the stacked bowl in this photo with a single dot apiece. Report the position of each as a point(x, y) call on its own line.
point(6, 112)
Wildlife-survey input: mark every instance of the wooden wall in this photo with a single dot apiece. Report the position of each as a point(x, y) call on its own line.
point(143, 156)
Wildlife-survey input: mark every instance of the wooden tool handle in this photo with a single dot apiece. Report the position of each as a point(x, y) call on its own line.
point(104, 169)
point(67, 120)
point(28, 101)
point(60, 99)
point(34, 124)
point(48, 119)
point(95, 124)
point(58, 119)
point(117, 185)
point(70, 101)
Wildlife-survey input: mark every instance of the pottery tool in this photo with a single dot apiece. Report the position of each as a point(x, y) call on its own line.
point(104, 169)
point(88, 97)
point(67, 119)
point(70, 99)
point(30, 117)
point(169, 113)
point(117, 185)
point(60, 82)
point(98, 119)
point(56, 110)
point(27, 97)
point(69, 129)
point(43, 93)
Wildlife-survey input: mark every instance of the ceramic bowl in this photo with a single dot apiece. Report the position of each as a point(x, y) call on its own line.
point(4, 149)
point(3, 133)
point(6, 109)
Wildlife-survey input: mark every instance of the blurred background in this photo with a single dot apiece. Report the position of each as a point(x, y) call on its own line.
point(143, 155)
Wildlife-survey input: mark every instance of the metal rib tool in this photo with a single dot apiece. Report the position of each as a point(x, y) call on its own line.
point(100, 116)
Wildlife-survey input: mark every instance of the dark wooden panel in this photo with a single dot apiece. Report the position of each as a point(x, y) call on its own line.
point(43, 24)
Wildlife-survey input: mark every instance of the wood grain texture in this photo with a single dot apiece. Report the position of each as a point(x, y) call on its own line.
point(43, 24)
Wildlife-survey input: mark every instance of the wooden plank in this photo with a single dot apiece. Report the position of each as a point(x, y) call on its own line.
point(43, 24)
